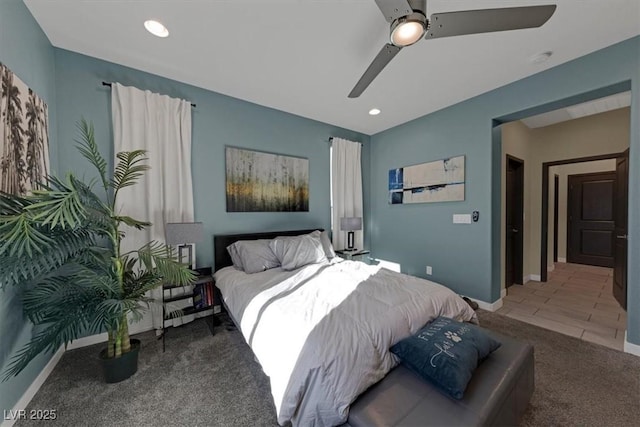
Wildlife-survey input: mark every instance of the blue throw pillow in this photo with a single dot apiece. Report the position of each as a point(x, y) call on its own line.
point(446, 352)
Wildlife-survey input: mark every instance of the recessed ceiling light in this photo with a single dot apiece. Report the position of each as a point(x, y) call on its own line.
point(374, 112)
point(156, 28)
point(541, 57)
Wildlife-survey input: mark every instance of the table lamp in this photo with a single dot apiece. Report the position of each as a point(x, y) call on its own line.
point(350, 224)
point(183, 235)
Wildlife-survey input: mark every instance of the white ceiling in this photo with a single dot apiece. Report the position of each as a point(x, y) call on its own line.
point(305, 56)
point(597, 106)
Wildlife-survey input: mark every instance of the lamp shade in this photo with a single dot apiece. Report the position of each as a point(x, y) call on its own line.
point(351, 223)
point(178, 233)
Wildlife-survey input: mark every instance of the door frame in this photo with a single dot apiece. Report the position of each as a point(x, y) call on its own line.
point(519, 270)
point(544, 229)
point(620, 293)
point(556, 202)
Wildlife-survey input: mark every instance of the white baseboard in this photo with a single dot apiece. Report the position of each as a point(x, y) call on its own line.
point(551, 267)
point(87, 341)
point(29, 393)
point(503, 293)
point(493, 306)
point(530, 277)
point(630, 347)
point(135, 328)
point(564, 260)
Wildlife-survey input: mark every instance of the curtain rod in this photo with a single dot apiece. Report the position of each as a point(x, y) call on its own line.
point(331, 140)
point(109, 84)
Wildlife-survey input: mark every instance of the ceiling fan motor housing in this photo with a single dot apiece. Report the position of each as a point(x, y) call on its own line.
point(416, 17)
point(418, 6)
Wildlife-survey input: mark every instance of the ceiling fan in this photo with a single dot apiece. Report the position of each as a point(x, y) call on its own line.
point(409, 23)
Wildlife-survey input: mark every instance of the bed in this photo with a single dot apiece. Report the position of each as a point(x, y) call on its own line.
point(322, 332)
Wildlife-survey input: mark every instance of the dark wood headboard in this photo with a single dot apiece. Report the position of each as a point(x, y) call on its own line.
point(222, 258)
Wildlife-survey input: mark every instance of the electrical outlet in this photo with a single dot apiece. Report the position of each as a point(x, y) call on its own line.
point(429, 270)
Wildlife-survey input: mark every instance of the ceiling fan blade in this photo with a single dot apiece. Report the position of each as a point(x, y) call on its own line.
point(385, 56)
point(488, 20)
point(394, 9)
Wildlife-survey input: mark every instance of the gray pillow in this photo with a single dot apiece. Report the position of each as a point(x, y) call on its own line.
point(296, 251)
point(253, 255)
point(326, 245)
point(235, 256)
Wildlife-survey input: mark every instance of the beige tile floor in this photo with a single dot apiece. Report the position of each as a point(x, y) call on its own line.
point(576, 300)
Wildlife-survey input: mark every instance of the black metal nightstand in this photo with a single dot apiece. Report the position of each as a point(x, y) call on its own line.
point(200, 299)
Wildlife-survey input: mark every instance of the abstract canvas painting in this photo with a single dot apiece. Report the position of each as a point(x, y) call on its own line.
point(438, 181)
point(266, 182)
point(24, 139)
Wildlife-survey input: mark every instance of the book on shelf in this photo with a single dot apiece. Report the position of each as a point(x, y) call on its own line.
point(199, 296)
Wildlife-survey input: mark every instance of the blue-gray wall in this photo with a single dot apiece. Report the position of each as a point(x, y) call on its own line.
point(218, 120)
point(462, 255)
point(27, 52)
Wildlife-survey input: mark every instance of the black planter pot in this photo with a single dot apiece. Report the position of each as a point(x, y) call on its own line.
point(120, 368)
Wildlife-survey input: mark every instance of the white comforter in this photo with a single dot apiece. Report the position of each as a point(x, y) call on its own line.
point(322, 333)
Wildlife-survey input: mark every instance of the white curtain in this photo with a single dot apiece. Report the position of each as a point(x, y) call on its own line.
point(162, 126)
point(346, 186)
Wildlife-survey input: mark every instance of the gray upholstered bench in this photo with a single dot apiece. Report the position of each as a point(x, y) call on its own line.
point(498, 394)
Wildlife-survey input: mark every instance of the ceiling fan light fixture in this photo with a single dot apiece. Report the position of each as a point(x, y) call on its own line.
point(156, 28)
point(409, 29)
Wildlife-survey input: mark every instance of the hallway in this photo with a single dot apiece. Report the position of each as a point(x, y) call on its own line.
point(577, 300)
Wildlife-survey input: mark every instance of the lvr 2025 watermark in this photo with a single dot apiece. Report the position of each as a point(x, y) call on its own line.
point(32, 414)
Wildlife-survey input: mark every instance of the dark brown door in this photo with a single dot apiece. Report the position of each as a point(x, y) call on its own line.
point(514, 221)
point(620, 245)
point(591, 236)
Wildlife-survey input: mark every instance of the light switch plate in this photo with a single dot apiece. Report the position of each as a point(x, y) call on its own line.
point(461, 218)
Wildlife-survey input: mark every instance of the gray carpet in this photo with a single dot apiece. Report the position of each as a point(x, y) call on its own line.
point(201, 380)
point(577, 383)
point(205, 380)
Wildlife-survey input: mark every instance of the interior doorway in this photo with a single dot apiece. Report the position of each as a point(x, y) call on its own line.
point(608, 238)
point(514, 219)
point(544, 237)
point(517, 134)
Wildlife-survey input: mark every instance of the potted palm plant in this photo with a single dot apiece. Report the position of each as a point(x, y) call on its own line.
point(61, 246)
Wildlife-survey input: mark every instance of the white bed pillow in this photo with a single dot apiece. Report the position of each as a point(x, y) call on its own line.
point(296, 251)
point(253, 256)
point(326, 245)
